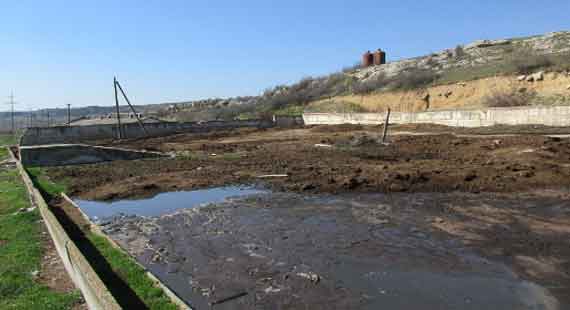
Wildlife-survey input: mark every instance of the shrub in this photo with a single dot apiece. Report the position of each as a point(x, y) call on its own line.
point(374, 83)
point(413, 79)
point(459, 51)
point(525, 64)
point(512, 98)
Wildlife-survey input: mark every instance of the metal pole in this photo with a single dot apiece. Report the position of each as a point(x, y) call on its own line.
point(132, 108)
point(12, 103)
point(120, 135)
point(386, 126)
point(68, 114)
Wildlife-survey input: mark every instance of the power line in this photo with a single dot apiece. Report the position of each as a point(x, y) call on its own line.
point(12, 103)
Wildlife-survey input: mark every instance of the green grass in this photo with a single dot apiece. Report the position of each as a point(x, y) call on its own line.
point(474, 73)
point(20, 252)
point(510, 65)
point(290, 110)
point(8, 139)
point(48, 188)
point(133, 274)
point(335, 106)
point(3, 153)
point(121, 263)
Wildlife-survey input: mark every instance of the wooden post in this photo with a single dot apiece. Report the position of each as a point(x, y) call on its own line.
point(119, 134)
point(386, 126)
point(132, 108)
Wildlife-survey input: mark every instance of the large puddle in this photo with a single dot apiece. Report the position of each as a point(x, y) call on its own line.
point(163, 203)
point(288, 251)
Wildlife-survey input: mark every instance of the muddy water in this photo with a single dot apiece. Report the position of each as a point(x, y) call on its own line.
point(286, 251)
point(163, 203)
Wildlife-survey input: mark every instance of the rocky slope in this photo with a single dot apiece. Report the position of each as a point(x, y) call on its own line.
point(457, 77)
point(475, 54)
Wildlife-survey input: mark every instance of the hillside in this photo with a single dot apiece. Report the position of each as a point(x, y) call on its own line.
point(481, 73)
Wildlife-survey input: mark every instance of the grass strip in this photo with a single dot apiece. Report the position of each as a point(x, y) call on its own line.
point(20, 251)
point(8, 140)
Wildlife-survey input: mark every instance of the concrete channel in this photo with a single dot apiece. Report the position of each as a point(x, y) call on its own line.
point(97, 295)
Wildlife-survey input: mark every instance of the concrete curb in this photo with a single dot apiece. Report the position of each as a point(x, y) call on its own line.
point(97, 230)
point(96, 294)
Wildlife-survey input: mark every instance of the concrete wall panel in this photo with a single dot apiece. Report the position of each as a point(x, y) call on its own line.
point(541, 115)
point(79, 134)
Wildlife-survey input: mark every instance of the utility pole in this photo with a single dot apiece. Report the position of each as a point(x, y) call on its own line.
point(12, 103)
point(117, 84)
point(48, 122)
point(120, 136)
point(68, 114)
point(386, 123)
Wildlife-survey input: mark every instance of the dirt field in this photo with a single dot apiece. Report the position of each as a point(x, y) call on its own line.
point(349, 161)
point(502, 196)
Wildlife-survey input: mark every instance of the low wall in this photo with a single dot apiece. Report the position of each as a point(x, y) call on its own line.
point(79, 134)
point(76, 154)
point(539, 115)
point(288, 121)
point(96, 294)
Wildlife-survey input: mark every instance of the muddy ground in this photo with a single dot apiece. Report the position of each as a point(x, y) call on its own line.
point(367, 251)
point(347, 160)
point(528, 229)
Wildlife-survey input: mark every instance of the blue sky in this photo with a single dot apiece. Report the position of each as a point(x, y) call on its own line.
point(58, 52)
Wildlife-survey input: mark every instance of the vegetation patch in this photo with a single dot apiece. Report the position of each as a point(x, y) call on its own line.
point(20, 252)
point(3, 153)
point(8, 140)
point(133, 274)
point(49, 189)
point(512, 98)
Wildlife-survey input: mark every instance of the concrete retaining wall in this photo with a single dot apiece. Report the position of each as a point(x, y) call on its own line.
point(96, 294)
point(288, 121)
point(79, 134)
point(76, 154)
point(539, 115)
